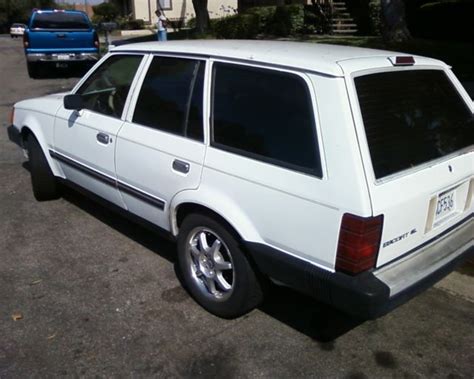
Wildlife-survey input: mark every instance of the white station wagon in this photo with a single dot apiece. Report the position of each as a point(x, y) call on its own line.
point(344, 173)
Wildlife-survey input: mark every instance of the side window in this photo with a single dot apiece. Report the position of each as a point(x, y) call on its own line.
point(106, 90)
point(171, 97)
point(265, 115)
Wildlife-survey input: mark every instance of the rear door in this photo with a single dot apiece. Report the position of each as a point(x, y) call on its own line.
point(160, 148)
point(416, 134)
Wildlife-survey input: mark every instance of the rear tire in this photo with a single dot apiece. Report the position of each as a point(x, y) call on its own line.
point(33, 70)
point(214, 269)
point(44, 183)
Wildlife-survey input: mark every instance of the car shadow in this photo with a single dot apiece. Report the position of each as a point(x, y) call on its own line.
point(316, 320)
point(146, 235)
point(319, 321)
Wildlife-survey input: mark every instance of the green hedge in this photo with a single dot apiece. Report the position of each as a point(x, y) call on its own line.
point(279, 21)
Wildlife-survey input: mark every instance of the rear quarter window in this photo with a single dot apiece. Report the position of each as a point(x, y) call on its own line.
point(265, 115)
point(412, 117)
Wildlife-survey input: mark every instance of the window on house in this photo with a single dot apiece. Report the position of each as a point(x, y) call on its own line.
point(171, 97)
point(165, 4)
point(265, 115)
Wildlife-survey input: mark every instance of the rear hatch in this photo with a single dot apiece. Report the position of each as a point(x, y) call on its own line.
point(57, 30)
point(416, 134)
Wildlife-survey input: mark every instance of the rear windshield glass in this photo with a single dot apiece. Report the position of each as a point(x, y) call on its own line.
point(412, 117)
point(60, 20)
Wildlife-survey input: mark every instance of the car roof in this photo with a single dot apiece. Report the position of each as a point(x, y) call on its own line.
point(318, 57)
point(58, 11)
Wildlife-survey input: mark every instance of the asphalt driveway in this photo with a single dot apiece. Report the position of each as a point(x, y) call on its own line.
point(83, 292)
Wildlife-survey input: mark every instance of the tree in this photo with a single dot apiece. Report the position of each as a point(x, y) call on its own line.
point(105, 12)
point(394, 21)
point(202, 15)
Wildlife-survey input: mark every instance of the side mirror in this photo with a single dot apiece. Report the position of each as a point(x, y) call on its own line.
point(73, 102)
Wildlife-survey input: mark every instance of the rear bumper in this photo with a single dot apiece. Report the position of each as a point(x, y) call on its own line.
point(372, 294)
point(63, 57)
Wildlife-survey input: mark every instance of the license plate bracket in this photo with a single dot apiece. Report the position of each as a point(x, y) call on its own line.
point(63, 57)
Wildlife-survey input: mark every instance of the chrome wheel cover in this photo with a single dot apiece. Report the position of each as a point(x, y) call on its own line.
point(210, 264)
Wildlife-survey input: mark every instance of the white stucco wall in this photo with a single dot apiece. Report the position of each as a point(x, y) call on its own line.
point(183, 9)
point(140, 10)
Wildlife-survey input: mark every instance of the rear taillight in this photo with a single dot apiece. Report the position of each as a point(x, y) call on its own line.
point(96, 40)
point(26, 39)
point(359, 242)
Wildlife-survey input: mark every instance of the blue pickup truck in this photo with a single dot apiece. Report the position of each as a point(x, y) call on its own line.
point(59, 38)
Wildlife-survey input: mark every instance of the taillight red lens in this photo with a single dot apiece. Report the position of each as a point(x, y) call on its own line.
point(359, 242)
point(96, 40)
point(26, 39)
point(404, 61)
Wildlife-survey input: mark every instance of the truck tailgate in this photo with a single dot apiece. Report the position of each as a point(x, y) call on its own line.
point(62, 39)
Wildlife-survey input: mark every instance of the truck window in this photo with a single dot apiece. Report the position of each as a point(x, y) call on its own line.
point(412, 117)
point(60, 20)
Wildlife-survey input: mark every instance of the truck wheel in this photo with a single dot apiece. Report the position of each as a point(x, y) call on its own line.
point(43, 181)
point(33, 70)
point(214, 269)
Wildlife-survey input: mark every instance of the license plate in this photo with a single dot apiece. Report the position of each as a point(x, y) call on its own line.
point(446, 204)
point(63, 57)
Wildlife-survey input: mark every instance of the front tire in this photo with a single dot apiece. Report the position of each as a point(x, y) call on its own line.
point(43, 181)
point(214, 269)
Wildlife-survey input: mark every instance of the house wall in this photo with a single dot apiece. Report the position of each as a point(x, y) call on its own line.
point(141, 10)
point(182, 9)
point(82, 7)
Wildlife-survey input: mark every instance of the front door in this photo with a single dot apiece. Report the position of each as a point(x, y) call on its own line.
point(84, 141)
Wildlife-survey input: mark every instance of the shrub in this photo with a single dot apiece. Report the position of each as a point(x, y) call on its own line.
point(287, 20)
point(265, 16)
point(280, 21)
point(191, 23)
point(134, 24)
point(241, 26)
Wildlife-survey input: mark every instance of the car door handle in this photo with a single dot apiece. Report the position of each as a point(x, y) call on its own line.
point(181, 166)
point(103, 138)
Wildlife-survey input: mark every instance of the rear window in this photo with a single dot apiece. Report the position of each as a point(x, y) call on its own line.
point(60, 20)
point(412, 117)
